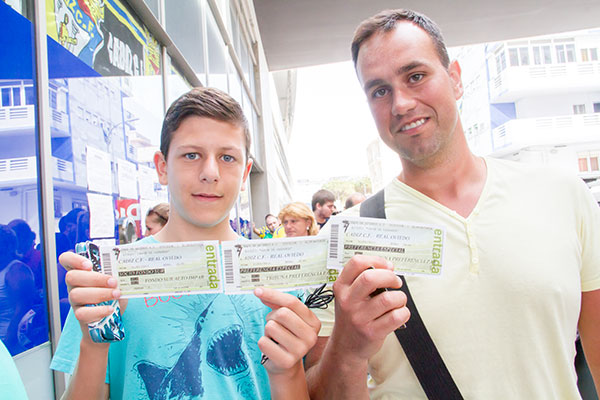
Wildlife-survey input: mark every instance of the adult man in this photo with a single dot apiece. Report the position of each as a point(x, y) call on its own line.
point(194, 346)
point(522, 261)
point(272, 229)
point(354, 199)
point(322, 206)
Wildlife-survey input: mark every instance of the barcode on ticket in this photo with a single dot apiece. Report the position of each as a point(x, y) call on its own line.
point(228, 264)
point(333, 241)
point(106, 263)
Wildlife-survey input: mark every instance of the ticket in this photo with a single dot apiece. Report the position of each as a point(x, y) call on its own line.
point(285, 263)
point(164, 268)
point(413, 248)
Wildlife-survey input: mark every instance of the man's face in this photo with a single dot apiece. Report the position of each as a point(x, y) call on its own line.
point(325, 210)
point(272, 223)
point(412, 96)
point(205, 169)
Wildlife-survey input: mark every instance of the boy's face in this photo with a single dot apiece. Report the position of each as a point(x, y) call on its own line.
point(205, 170)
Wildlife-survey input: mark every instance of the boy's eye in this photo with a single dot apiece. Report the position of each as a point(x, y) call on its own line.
point(192, 156)
point(228, 158)
point(416, 77)
point(379, 92)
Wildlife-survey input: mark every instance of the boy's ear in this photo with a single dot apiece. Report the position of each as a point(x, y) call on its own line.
point(161, 167)
point(246, 173)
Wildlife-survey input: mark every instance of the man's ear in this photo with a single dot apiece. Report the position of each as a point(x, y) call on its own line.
point(455, 75)
point(247, 172)
point(161, 167)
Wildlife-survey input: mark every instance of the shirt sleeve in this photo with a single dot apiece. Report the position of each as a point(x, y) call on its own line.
point(67, 352)
point(589, 234)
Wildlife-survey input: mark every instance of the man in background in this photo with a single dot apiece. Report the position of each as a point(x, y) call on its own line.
point(322, 206)
point(272, 229)
point(354, 199)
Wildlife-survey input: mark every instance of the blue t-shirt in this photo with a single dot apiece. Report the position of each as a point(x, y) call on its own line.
point(190, 346)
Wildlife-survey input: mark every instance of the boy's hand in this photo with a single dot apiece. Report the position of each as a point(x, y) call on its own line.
point(88, 287)
point(291, 331)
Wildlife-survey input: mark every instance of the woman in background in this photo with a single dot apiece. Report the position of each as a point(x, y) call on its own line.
point(156, 218)
point(298, 220)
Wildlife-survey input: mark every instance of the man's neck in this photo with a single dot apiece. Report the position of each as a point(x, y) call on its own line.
point(456, 182)
point(320, 219)
point(179, 230)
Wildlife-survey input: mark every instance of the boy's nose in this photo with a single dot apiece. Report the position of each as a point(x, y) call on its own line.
point(210, 170)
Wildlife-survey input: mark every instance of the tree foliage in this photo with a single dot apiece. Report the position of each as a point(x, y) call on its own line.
point(344, 187)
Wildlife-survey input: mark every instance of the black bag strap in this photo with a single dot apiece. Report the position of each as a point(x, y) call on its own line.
point(434, 377)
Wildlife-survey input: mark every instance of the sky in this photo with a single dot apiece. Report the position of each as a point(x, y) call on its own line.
point(332, 124)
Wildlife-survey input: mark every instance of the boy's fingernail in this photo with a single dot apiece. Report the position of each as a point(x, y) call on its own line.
point(389, 264)
point(116, 293)
point(111, 282)
point(258, 291)
point(87, 264)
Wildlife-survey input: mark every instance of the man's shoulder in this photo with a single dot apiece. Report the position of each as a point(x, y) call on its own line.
point(531, 174)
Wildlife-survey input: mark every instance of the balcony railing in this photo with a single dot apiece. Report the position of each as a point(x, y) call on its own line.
point(23, 118)
point(517, 82)
point(561, 130)
point(16, 118)
point(24, 169)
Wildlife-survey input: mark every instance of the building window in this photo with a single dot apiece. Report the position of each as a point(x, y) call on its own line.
point(500, 61)
point(579, 109)
point(588, 162)
point(6, 97)
point(29, 95)
point(589, 55)
point(518, 56)
point(542, 55)
point(565, 53)
point(597, 107)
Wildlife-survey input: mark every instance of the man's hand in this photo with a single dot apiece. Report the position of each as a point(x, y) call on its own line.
point(88, 287)
point(363, 320)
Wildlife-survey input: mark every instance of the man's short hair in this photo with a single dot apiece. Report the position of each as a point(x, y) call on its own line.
point(354, 199)
point(269, 215)
point(385, 21)
point(321, 197)
point(203, 102)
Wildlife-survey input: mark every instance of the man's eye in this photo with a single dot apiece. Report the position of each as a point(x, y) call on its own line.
point(191, 156)
point(416, 77)
point(379, 92)
point(228, 158)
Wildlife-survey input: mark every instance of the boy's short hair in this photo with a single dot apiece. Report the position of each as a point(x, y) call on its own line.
point(203, 102)
point(321, 197)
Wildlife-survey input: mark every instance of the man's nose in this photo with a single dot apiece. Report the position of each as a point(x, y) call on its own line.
point(403, 102)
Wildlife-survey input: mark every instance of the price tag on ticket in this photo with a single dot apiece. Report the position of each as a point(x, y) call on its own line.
point(413, 248)
point(286, 263)
point(164, 269)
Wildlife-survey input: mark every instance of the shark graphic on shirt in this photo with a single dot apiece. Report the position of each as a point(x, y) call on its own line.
point(215, 355)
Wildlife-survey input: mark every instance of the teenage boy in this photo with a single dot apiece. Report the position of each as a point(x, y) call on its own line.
point(194, 346)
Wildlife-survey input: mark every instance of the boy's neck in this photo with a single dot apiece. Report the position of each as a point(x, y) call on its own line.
point(181, 231)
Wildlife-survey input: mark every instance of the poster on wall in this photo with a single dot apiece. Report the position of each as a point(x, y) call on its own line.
point(99, 175)
point(102, 216)
point(105, 35)
point(127, 174)
point(129, 210)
